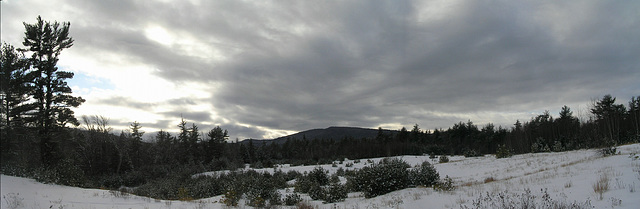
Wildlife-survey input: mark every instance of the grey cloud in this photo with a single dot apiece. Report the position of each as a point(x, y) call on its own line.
point(126, 102)
point(305, 64)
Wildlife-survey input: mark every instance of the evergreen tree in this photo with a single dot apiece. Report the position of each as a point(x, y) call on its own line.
point(14, 93)
point(216, 141)
point(51, 93)
point(14, 87)
point(136, 143)
point(608, 117)
point(634, 117)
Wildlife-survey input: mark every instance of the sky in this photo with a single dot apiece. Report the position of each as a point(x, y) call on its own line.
point(265, 69)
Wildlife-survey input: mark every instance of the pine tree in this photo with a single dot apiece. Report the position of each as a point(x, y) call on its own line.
point(136, 144)
point(14, 87)
point(216, 141)
point(14, 93)
point(51, 93)
point(608, 117)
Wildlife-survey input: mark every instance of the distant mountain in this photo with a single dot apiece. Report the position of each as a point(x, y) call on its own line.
point(336, 133)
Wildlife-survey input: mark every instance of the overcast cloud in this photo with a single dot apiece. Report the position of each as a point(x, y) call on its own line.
point(263, 69)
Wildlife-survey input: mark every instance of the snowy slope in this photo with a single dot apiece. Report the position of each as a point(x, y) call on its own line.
point(565, 176)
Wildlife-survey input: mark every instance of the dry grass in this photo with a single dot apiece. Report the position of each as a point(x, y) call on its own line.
point(568, 184)
point(489, 179)
point(304, 205)
point(602, 185)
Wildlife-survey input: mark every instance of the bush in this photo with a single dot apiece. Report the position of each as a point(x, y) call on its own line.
point(65, 173)
point(471, 153)
point(292, 199)
point(503, 152)
point(444, 159)
point(445, 185)
point(424, 175)
point(607, 151)
point(261, 191)
point(557, 147)
point(335, 193)
point(340, 172)
point(231, 198)
point(319, 175)
point(390, 174)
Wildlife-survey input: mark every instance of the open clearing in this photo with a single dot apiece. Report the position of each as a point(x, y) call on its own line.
point(581, 176)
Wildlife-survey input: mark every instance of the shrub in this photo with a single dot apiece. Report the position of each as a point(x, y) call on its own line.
point(607, 151)
point(67, 172)
point(503, 152)
point(335, 193)
point(445, 185)
point(183, 194)
point(557, 146)
point(444, 159)
point(292, 199)
point(424, 175)
point(340, 172)
point(231, 198)
point(390, 174)
point(293, 174)
point(471, 153)
point(319, 175)
point(316, 192)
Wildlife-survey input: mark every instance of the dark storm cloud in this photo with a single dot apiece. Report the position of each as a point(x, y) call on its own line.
point(305, 64)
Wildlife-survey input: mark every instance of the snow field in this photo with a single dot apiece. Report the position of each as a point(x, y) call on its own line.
point(565, 176)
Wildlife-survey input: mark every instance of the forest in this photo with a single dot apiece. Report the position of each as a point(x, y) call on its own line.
point(43, 139)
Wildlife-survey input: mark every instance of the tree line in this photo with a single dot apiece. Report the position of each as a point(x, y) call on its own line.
point(38, 141)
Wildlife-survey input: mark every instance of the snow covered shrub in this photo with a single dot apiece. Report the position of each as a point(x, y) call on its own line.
point(204, 187)
point(316, 178)
point(607, 151)
point(316, 192)
point(319, 175)
point(503, 152)
point(443, 159)
point(340, 172)
point(445, 184)
point(540, 146)
point(261, 192)
point(293, 174)
point(335, 193)
point(424, 175)
point(303, 184)
point(256, 165)
point(557, 147)
point(65, 173)
point(166, 189)
point(471, 153)
point(292, 199)
point(390, 174)
point(231, 198)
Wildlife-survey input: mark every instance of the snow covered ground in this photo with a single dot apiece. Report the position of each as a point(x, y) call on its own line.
point(565, 176)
